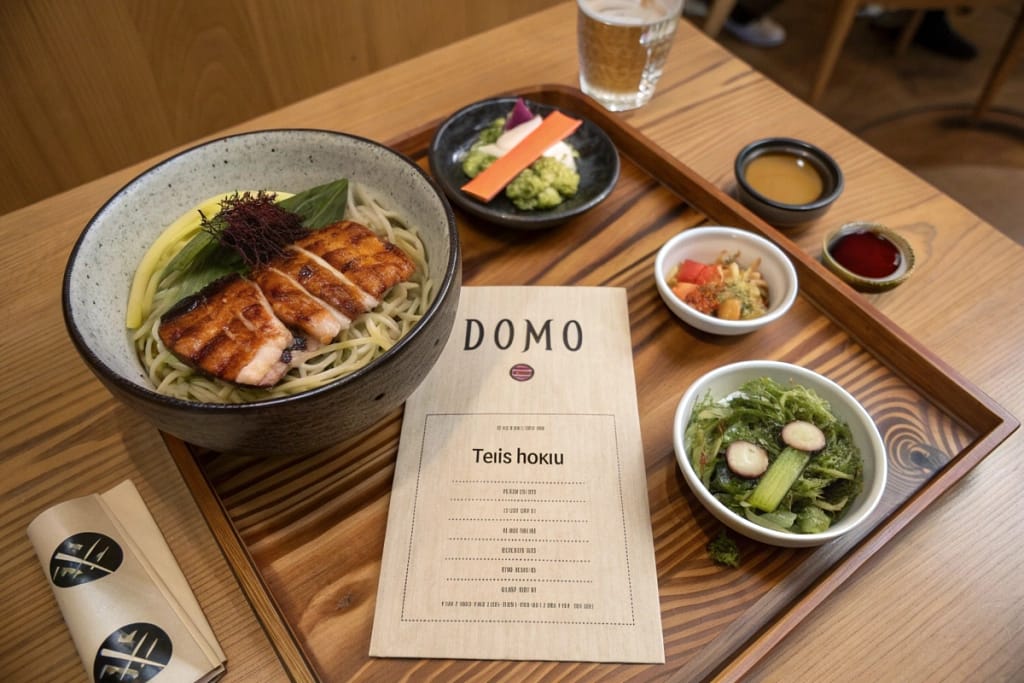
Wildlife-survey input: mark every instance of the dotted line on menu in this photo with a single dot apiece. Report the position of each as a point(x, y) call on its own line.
point(517, 481)
point(520, 537)
point(516, 559)
point(521, 621)
point(516, 500)
point(518, 519)
point(517, 579)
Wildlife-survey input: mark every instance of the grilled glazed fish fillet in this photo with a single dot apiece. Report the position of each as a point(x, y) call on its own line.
point(228, 330)
point(326, 280)
point(370, 263)
point(316, 288)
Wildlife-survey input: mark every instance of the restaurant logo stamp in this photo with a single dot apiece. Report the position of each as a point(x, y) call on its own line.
point(136, 652)
point(84, 557)
point(521, 372)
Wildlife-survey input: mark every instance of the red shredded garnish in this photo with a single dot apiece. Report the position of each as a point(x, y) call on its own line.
point(255, 227)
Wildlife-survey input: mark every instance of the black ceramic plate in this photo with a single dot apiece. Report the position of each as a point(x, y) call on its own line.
point(598, 164)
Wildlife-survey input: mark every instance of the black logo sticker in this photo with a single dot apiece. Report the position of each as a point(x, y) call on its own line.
point(84, 557)
point(136, 652)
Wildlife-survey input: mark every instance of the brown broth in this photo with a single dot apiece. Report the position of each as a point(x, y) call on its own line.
point(785, 178)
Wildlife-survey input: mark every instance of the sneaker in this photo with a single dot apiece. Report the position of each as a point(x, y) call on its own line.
point(936, 35)
point(763, 32)
point(695, 8)
point(871, 11)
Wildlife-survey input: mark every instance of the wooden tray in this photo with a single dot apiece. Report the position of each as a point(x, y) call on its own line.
point(305, 537)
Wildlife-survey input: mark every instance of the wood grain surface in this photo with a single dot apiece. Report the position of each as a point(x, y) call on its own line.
point(941, 601)
point(709, 614)
point(92, 87)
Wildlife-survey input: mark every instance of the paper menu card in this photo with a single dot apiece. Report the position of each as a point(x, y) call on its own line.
point(519, 525)
point(126, 603)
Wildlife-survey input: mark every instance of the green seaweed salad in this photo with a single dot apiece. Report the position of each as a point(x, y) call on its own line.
point(775, 455)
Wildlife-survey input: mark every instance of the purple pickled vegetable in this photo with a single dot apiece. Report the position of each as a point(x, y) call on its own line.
point(520, 114)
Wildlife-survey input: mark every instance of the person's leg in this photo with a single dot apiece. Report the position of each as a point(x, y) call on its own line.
point(749, 22)
point(936, 34)
point(752, 10)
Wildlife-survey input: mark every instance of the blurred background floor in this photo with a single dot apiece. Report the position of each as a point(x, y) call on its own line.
point(914, 107)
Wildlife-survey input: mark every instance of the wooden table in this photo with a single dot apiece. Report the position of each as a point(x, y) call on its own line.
point(942, 601)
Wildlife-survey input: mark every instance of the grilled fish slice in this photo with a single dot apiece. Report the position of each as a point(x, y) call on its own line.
point(298, 309)
point(228, 330)
point(372, 264)
point(327, 279)
point(322, 281)
point(237, 329)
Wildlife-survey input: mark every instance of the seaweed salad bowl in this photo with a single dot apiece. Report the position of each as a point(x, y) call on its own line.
point(724, 383)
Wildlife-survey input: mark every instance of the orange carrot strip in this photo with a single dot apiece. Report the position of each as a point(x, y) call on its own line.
point(555, 127)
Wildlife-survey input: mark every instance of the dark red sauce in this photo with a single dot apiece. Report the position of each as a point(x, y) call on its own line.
point(866, 253)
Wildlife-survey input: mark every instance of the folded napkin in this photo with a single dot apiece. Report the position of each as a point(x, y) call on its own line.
point(130, 610)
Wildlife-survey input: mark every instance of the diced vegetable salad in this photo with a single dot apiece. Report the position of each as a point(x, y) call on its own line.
point(723, 289)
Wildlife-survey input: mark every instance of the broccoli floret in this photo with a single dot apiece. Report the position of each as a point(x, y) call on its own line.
point(724, 551)
point(556, 174)
point(841, 460)
point(476, 161)
point(546, 183)
point(491, 133)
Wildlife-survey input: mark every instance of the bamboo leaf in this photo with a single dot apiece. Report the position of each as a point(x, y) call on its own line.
point(204, 259)
point(319, 206)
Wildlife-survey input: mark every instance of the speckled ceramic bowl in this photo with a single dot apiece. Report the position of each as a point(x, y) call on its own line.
point(860, 282)
point(101, 266)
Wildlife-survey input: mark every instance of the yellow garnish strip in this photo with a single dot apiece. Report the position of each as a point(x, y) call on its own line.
point(184, 227)
point(147, 275)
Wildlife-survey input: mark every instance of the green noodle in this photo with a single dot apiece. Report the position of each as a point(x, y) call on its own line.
point(369, 336)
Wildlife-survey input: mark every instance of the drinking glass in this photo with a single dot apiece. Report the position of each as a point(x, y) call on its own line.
point(623, 45)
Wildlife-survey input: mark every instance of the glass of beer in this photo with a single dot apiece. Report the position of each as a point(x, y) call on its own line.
point(623, 45)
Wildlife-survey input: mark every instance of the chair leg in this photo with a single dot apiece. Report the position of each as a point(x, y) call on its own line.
point(846, 10)
point(1011, 51)
point(717, 15)
point(909, 31)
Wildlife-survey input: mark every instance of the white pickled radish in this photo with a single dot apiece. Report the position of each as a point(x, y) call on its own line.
point(512, 137)
point(746, 459)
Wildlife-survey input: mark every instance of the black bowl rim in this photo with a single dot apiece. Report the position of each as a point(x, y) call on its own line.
point(789, 143)
point(150, 396)
point(522, 221)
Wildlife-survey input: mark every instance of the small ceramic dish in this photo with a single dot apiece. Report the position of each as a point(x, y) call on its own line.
point(787, 182)
point(727, 379)
point(598, 165)
point(705, 244)
point(868, 256)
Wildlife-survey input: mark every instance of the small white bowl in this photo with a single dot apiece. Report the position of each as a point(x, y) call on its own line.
point(704, 245)
point(727, 379)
